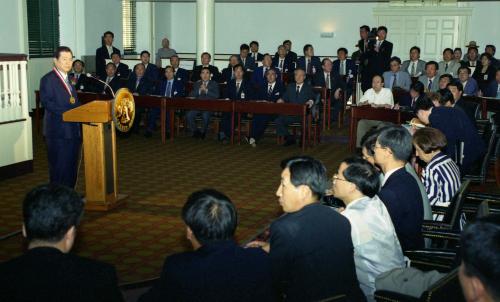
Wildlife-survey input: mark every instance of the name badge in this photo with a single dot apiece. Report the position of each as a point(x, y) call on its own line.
point(486, 77)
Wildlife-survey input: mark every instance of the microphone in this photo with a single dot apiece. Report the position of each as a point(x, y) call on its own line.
point(106, 84)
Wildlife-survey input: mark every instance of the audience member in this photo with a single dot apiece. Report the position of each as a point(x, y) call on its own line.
point(292, 56)
point(414, 66)
point(491, 49)
point(259, 74)
point(310, 247)
point(486, 73)
point(111, 79)
point(430, 78)
point(395, 77)
point(457, 128)
point(309, 62)
point(444, 80)
point(152, 72)
point(245, 60)
point(48, 271)
point(78, 78)
point(400, 191)
point(180, 74)
point(139, 84)
point(218, 269)
point(448, 64)
point(205, 88)
point(122, 69)
point(165, 52)
point(345, 69)
point(376, 245)
point(228, 72)
point(441, 176)
point(458, 102)
point(493, 89)
point(298, 92)
point(381, 53)
point(282, 61)
point(254, 52)
point(417, 91)
point(457, 54)
point(472, 59)
point(104, 52)
point(480, 268)
point(205, 62)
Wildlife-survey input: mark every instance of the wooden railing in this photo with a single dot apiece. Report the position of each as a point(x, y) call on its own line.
point(13, 88)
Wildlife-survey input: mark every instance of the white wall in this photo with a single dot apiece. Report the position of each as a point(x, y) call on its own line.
point(12, 37)
point(71, 30)
point(101, 16)
point(162, 25)
point(242, 22)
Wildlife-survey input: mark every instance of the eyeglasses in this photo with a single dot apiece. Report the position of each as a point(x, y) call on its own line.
point(336, 177)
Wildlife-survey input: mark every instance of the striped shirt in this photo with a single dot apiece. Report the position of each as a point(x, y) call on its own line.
point(441, 178)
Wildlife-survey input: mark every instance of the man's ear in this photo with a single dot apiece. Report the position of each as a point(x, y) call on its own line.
point(69, 238)
point(189, 233)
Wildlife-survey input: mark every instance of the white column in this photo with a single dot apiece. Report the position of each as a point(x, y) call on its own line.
point(205, 27)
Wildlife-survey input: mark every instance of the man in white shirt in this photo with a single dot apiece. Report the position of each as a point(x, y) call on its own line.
point(376, 246)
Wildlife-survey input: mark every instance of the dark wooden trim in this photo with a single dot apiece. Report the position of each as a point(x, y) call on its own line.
point(16, 169)
point(13, 121)
point(12, 57)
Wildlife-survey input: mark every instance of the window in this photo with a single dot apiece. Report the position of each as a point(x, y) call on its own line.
point(43, 27)
point(129, 26)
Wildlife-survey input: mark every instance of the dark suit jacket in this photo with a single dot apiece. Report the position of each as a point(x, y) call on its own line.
point(259, 56)
point(182, 75)
point(227, 73)
point(312, 256)
point(350, 68)
point(292, 56)
point(101, 54)
point(335, 82)
point(115, 85)
point(287, 64)
point(83, 83)
point(315, 61)
point(177, 89)
point(123, 71)
point(152, 72)
point(145, 85)
point(55, 100)
point(263, 92)
point(213, 90)
point(457, 126)
point(258, 78)
point(379, 61)
point(246, 89)
point(306, 94)
point(402, 198)
point(197, 71)
point(484, 79)
point(47, 274)
point(220, 271)
point(249, 63)
point(492, 89)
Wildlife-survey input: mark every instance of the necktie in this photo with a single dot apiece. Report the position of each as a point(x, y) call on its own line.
point(413, 69)
point(309, 69)
point(238, 86)
point(394, 80)
point(255, 56)
point(412, 102)
point(342, 68)
point(243, 60)
point(446, 67)
point(168, 91)
point(281, 64)
point(298, 90)
point(429, 86)
point(498, 91)
point(137, 82)
point(77, 77)
point(232, 74)
point(270, 89)
point(328, 81)
point(107, 80)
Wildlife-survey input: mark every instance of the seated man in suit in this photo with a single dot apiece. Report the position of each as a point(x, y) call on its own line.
point(298, 92)
point(169, 87)
point(491, 49)
point(259, 74)
point(493, 90)
point(245, 60)
point(270, 91)
point(471, 60)
point(448, 65)
point(414, 66)
point(345, 69)
point(165, 52)
point(292, 56)
point(139, 84)
point(254, 52)
point(444, 80)
point(479, 271)
point(376, 245)
point(122, 70)
point(228, 72)
point(203, 89)
point(457, 90)
point(400, 191)
point(205, 62)
point(111, 79)
point(469, 84)
point(396, 77)
point(332, 82)
point(417, 91)
point(457, 128)
point(217, 269)
point(377, 96)
point(430, 78)
point(152, 71)
point(180, 74)
point(78, 78)
point(310, 247)
point(309, 62)
point(48, 271)
point(281, 61)
point(237, 89)
point(104, 52)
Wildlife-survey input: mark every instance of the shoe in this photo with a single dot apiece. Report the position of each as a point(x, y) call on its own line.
point(148, 134)
point(252, 142)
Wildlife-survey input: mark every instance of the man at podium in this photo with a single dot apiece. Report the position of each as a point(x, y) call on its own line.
point(64, 139)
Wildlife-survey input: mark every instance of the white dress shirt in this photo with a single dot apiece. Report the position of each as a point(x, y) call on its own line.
point(110, 50)
point(383, 97)
point(376, 245)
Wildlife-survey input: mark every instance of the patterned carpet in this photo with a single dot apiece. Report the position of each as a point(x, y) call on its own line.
point(137, 236)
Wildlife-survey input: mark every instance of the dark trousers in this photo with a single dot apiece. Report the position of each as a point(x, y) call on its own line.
point(259, 125)
point(191, 120)
point(282, 123)
point(64, 159)
point(154, 114)
point(137, 120)
point(226, 124)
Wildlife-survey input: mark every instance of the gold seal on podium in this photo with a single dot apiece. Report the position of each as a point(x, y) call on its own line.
point(123, 110)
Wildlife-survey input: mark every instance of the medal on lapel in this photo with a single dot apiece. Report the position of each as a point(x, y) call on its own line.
point(72, 99)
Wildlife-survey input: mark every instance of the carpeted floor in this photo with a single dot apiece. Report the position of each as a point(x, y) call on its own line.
point(158, 178)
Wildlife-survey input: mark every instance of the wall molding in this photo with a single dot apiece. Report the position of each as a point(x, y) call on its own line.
point(16, 169)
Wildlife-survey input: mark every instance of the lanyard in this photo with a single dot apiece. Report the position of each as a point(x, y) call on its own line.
point(59, 75)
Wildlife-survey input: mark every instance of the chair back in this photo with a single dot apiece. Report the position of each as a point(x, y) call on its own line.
point(452, 215)
point(446, 289)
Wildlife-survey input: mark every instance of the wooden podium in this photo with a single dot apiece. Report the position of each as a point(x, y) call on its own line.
point(99, 154)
